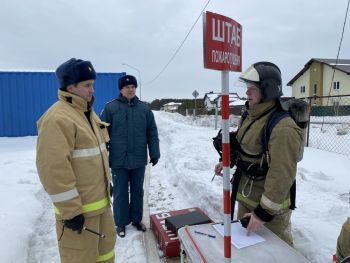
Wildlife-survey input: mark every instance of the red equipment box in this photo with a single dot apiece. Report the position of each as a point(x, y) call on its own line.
point(168, 240)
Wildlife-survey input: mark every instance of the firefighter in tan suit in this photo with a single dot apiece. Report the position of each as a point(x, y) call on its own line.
point(265, 195)
point(343, 244)
point(72, 163)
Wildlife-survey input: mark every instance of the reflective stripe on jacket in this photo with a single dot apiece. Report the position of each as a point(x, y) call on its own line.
point(72, 159)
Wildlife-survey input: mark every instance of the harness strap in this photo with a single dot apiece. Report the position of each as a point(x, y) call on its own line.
point(235, 183)
point(292, 196)
point(244, 116)
point(272, 121)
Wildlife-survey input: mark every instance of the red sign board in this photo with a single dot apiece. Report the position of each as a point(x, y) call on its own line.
point(222, 42)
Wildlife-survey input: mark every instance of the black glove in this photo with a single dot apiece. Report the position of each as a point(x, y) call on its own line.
point(153, 161)
point(245, 221)
point(76, 223)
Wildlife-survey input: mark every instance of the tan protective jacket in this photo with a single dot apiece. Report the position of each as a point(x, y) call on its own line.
point(343, 244)
point(72, 159)
point(284, 145)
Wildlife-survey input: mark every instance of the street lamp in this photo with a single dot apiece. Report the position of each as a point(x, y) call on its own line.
point(124, 64)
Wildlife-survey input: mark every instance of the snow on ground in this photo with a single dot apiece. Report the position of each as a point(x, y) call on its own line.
point(180, 180)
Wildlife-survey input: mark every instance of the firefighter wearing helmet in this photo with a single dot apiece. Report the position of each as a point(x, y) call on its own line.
point(264, 182)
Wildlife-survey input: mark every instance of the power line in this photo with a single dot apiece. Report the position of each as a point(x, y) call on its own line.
point(178, 49)
point(341, 40)
point(336, 61)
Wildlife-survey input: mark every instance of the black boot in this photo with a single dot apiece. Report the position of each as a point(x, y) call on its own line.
point(139, 226)
point(121, 231)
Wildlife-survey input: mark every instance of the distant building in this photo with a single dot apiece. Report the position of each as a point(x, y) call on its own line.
point(315, 79)
point(213, 100)
point(233, 100)
point(26, 95)
point(171, 106)
point(209, 100)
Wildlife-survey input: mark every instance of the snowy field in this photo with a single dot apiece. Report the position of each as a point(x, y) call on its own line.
point(180, 180)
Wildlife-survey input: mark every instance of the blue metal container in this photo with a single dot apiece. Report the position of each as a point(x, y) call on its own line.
point(25, 96)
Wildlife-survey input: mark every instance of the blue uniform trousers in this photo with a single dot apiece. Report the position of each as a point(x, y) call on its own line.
point(128, 208)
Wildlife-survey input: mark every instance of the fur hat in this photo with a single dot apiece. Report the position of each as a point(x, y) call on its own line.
point(74, 71)
point(127, 80)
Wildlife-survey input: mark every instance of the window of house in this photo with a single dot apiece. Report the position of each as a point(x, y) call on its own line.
point(315, 88)
point(302, 89)
point(336, 85)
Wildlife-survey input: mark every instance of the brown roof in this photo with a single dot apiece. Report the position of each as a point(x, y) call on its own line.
point(342, 65)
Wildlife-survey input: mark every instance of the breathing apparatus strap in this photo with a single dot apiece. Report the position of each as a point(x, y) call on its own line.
point(235, 183)
point(292, 196)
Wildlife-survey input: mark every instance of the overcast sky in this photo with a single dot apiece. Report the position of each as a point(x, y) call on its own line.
point(39, 34)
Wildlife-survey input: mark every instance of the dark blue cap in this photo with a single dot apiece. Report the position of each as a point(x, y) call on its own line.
point(127, 80)
point(74, 71)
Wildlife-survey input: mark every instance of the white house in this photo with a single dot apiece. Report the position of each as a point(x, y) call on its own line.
point(171, 106)
point(233, 100)
point(316, 79)
point(212, 100)
point(209, 100)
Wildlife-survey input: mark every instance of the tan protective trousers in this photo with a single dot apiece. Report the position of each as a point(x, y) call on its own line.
point(280, 224)
point(88, 247)
point(343, 244)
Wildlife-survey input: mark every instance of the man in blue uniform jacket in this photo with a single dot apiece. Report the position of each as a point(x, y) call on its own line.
point(132, 128)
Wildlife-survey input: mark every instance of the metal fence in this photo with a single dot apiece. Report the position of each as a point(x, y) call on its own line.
point(329, 124)
point(236, 110)
point(329, 127)
point(193, 112)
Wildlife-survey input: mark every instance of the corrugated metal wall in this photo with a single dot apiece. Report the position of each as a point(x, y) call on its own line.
point(25, 96)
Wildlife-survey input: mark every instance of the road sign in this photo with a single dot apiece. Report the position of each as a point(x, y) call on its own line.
point(222, 42)
point(195, 94)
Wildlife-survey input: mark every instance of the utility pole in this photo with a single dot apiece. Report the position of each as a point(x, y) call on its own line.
point(195, 95)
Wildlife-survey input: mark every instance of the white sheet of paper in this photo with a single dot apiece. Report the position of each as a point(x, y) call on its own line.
point(239, 236)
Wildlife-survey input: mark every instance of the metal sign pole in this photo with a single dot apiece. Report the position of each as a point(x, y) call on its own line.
point(195, 106)
point(216, 115)
point(195, 95)
point(225, 114)
point(223, 51)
